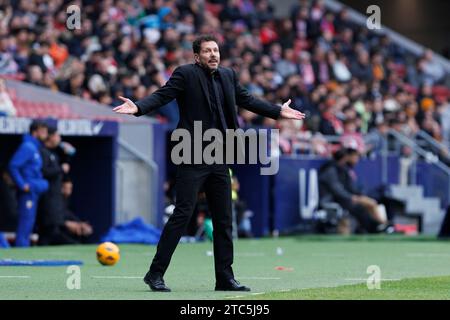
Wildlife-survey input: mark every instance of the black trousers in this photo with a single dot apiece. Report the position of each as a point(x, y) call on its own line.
point(217, 184)
point(56, 235)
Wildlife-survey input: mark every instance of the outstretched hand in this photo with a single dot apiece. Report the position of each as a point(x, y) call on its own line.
point(127, 107)
point(289, 113)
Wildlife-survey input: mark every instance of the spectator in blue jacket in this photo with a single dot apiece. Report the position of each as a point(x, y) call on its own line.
point(25, 168)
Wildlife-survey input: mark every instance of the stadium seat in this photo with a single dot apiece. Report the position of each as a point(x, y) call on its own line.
point(32, 109)
point(214, 8)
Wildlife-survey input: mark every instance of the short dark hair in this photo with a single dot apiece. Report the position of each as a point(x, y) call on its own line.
point(196, 45)
point(37, 124)
point(339, 154)
point(343, 152)
point(349, 151)
point(52, 130)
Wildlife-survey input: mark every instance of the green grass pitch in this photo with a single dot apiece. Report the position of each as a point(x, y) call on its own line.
point(315, 267)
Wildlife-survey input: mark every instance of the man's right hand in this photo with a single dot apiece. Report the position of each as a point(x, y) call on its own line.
point(73, 227)
point(127, 107)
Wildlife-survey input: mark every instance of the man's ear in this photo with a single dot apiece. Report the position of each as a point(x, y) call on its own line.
point(196, 57)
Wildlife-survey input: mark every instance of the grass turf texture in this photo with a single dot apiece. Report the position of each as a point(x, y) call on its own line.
point(317, 267)
point(434, 288)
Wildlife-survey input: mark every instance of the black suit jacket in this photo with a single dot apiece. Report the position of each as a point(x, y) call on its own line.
point(336, 185)
point(188, 85)
point(51, 204)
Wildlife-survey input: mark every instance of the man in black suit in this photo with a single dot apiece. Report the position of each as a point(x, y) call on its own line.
point(208, 93)
point(337, 184)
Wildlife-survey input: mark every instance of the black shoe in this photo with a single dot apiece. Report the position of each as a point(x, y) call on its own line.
point(386, 228)
point(156, 282)
point(231, 285)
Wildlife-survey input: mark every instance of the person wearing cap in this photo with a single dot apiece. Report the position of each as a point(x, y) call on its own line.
point(25, 169)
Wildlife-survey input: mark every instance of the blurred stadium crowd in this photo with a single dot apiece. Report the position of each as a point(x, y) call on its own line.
point(349, 80)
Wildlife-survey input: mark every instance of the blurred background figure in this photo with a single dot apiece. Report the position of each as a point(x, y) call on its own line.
point(56, 223)
point(338, 185)
point(78, 229)
point(8, 201)
point(51, 205)
point(242, 215)
point(6, 105)
point(25, 168)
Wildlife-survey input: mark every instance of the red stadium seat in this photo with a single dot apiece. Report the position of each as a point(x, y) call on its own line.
point(26, 108)
point(214, 8)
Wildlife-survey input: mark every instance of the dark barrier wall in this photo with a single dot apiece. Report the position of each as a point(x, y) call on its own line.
point(255, 190)
point(93, 178)
point(161, 153)
point(434, 181)
point(275, 200)
point(286, 191)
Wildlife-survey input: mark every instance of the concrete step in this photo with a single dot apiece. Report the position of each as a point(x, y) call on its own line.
point(414, 205)
point(406, 192)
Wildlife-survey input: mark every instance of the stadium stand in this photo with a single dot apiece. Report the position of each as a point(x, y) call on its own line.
point(315, 55)
point(336, 71)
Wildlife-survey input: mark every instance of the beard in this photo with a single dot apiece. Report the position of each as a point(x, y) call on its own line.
point(207, 66)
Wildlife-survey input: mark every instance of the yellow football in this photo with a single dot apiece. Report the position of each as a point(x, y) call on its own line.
point(108, 254)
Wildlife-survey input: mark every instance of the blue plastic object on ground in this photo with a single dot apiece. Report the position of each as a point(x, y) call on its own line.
point(135, 231)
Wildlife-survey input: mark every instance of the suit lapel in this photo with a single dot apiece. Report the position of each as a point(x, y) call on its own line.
point(204, 85)
point(230, 102)
point(227, 90)
point(227, 83)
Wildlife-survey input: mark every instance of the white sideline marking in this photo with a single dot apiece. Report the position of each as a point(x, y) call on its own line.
point(427, 255)
point(329, 255)
point(365, 279)
point(15, 277)
point(61, 253)
point(249, 254)
point(133, 277)
point(258, 278)
point(116, 277)
point(257, 293)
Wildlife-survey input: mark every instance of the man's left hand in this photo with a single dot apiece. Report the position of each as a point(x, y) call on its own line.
point(289, 113)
